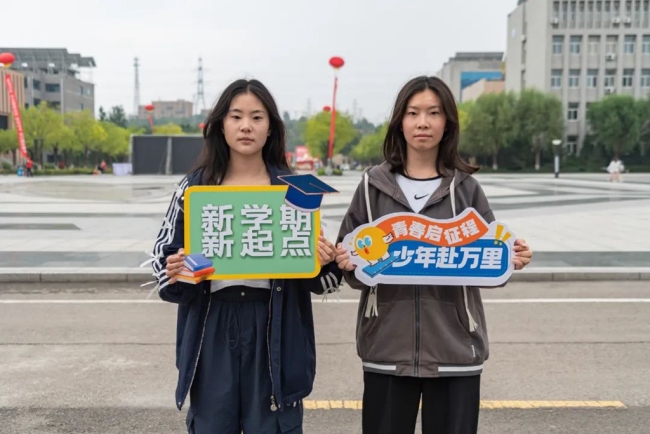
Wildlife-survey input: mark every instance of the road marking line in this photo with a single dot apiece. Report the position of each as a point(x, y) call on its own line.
point(345, 301)
point(485, 405)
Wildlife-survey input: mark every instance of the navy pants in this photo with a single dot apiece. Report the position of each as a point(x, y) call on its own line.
point(231, 391)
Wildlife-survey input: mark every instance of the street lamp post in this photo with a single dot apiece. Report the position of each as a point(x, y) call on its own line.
point(149, 108)
point(336, 63)
point(556, 160)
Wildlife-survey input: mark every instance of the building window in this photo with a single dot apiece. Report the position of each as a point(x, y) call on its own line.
point(612, 43)
point(572, 114)
point(581, 14)
point(558, 43)
point(628, 77)
point(37, 101)
point(88, 92)
point(594, 45)
point(81, 90)
point(574, 78)
point(36, 84)
point(556, 78)
point(646, 44)
point(572, 145)
point(25, 82)
point(592, 78)
point(590, 14)
point(575, 44)
point(645, 78)
point(597, 14)
point(52, 87)
point(556, 10)
point(628, 48)
point(610, 78)
point(573, 14)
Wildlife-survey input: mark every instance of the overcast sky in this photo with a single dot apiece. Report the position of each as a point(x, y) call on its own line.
point(284, 43)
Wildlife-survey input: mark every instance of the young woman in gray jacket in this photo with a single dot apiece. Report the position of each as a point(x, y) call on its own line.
point(420, 342)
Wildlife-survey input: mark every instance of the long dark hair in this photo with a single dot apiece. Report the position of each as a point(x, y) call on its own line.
point(395, 143)
point(216, 153)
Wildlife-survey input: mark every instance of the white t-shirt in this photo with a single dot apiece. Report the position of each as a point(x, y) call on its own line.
point(417, 191)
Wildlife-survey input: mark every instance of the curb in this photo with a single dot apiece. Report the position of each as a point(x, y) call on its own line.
point(139, 275)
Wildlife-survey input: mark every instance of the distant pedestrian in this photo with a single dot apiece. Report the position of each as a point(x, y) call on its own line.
point(420, 343)
point(615, 169)
point(245, 348)
point(28, 168)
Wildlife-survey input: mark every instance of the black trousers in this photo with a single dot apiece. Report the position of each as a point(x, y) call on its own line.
point(450, 405)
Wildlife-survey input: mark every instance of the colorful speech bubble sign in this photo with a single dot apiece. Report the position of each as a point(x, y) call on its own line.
point(414, 249)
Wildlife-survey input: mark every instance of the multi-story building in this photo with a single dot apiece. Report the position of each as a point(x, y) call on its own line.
point(465, 69)
point(53, 75)
point(179, 109)
point(580, 50)
point(6, 115)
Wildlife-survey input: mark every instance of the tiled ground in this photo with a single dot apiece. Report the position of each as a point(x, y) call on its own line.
point(83, 221)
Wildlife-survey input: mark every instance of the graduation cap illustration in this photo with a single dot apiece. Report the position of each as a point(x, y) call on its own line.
point(305, 192)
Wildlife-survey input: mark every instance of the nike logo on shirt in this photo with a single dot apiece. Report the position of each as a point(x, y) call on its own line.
point(420, 197)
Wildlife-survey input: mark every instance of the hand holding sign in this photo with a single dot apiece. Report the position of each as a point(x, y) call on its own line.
point(326, 250)
point(343, 259)
point(523, 254)
point(175, 265)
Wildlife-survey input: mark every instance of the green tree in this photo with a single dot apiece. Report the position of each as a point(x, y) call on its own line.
point(9, 142)
point(169, 129)
point(490, 125)
point(317, 133)
point(102, 114)
point(370, 149)
point(296, 133)
point(463, 119)
point(117, 116)
point(539, 119)
point(615, 123)
point(643, 107)
point(88, 132)
point(116, 143)
point(41, 126)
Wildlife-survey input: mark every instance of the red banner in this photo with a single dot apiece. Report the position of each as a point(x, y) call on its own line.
point(17, 120)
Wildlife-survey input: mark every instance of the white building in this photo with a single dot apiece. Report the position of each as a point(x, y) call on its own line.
point(580, 50)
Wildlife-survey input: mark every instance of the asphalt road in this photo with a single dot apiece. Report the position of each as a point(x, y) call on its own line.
point(565, 358)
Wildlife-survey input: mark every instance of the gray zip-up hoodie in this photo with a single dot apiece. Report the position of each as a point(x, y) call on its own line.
point(418, 330)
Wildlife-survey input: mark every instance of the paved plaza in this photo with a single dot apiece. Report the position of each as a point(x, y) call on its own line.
point(106, 223)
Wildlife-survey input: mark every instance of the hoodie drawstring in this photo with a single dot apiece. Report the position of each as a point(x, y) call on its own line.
point(452, 194)
point(371, 305)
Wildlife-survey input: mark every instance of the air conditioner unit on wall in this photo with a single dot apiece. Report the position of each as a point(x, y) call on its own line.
point(555, 21)
point(616, 20)
point(609, 90)
point(610, 56)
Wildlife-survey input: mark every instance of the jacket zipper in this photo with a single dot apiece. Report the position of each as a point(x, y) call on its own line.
point(200, 346)
point(417, 312)
point(417, 331)
point(274, 404)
